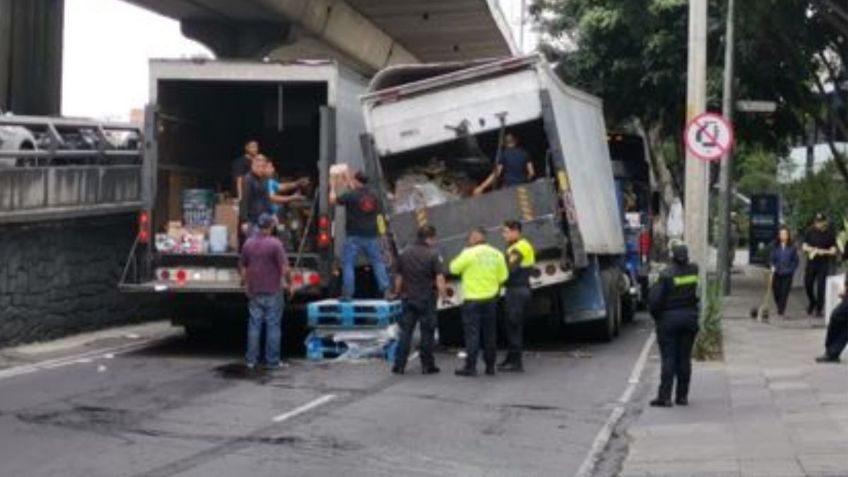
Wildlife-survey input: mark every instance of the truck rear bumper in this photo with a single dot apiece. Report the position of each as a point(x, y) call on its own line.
point(170, 287)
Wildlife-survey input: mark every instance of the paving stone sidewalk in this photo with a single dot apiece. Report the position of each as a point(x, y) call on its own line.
point(767, 410)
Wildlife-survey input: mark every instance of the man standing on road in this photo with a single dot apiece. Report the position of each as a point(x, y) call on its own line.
point(362, 208)
point(483, 270)
point(420, 273)
point(837, 330)
point(264, 268)
point(520, 258)
point(820, 249)
point(242, 165)
point(256, 200)
point(674, 306)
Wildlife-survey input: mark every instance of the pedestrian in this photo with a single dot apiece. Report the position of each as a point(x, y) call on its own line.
point(283, 193)
point(674, 307)
point(784, 262)
point(820, 249)
point(242, 165)
point(420, 276)
point(837, 330)
point(264, 269)
point(482, 269)
point(514, 166)
point(362, 233)
point(520, 258)
point(256, 200)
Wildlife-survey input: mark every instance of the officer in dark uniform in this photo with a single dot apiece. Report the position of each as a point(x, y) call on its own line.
point(520, 258)
point(419, 276)
point(674, 306)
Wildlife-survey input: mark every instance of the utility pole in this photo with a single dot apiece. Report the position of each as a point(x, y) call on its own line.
point(697, 190)
point(725, 181)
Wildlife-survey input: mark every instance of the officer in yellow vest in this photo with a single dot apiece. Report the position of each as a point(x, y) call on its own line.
point(483, 270)
point(520, 258)
point(674, 305)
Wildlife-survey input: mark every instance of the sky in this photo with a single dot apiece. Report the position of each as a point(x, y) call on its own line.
point(108, 43)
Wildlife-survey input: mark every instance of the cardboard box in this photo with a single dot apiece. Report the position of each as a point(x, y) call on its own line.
point(227, 214)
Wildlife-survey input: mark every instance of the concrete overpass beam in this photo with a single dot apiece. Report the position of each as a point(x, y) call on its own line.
point(31, 56)
point(247, 39)
point(345, 29)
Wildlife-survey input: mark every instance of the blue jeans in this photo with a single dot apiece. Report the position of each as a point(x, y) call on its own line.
point(266, 309)
point(371, 247)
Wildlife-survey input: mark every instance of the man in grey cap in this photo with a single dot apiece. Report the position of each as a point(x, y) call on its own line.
point(674, 306)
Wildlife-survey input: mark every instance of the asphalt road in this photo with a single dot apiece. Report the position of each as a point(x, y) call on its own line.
point(181, 408)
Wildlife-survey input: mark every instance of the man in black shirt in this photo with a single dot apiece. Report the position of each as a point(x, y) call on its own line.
point(256, 200)
point(820, 249)
point(241, 166)
point(420, 272)
point(362, 208)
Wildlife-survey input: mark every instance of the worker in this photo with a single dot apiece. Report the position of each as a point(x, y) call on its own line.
point(282, 193)
point(837, 330)
point(362, 233)
point(255, 200)
point(520, 258)
point(241, 166)
point(674, 307)
point(419, 275)
point(513, 167)
point(483, 270)
point(820, 248)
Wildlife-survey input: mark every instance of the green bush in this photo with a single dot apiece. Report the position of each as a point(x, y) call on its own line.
point(824, 191)
point(708, 344)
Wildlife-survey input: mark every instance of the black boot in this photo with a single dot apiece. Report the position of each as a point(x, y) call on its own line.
point(466, 372)
point(681, 401)
point(661, 403)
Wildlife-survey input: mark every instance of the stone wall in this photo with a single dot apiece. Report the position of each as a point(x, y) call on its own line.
point(62, 277)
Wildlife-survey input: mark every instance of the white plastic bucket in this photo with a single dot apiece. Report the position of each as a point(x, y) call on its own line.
point(218, 238)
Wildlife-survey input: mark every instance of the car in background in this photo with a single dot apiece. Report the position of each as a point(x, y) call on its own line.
point(15, 138)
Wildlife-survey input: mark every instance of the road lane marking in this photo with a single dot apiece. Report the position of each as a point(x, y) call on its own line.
point(305, 408)
point(587, 468)
point(81, 358)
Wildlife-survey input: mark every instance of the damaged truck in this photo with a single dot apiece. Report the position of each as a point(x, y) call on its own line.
point(434, 132)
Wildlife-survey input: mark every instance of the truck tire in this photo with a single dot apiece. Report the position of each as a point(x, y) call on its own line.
point(628, 309)
point(609, 327)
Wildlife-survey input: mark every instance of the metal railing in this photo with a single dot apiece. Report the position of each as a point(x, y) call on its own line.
point(55, 168)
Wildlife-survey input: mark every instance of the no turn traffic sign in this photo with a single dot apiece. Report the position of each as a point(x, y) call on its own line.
point(709, 137)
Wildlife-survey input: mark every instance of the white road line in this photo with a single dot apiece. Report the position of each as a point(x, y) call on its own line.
point(305, 408)
point(81, 358)
point(587, 468)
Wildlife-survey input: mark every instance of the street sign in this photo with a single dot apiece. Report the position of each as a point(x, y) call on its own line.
point(751, 106)
point(709, 137)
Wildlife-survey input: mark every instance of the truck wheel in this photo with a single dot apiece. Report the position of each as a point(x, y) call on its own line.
point(628, 309)
point(607, 328)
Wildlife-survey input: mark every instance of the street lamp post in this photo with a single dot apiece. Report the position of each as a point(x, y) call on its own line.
point(725, 181)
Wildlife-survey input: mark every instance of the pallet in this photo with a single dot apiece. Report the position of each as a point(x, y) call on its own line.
point(353, 314)
point(323, 349)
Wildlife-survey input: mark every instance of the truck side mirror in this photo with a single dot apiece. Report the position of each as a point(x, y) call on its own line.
point(656, 202)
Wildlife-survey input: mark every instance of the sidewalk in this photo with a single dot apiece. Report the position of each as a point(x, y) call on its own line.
point(767, 410)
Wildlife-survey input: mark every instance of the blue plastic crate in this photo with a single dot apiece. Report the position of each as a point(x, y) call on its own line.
point(353, 314)
point(319, 349)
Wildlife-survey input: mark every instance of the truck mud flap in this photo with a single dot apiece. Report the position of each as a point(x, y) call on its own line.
point(583, 299)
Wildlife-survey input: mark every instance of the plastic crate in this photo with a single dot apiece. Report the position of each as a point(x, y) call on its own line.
point(353, 314)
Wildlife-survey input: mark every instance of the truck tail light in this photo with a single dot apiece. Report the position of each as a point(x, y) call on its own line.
point(323, 239)
point(297, 279)
point(324, 222)
point(165, 275)
point(144, 227)
point(182, 276)
point(314, 279)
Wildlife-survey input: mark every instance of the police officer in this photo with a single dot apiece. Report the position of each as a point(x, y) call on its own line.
point(674, 306)
point(483, 270)
point(520, 258)
point(419, 274)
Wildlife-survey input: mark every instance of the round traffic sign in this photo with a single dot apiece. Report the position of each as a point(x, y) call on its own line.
point(709, 137)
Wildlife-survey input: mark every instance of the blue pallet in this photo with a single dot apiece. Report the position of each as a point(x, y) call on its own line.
point(319, 349)
point(353, 314)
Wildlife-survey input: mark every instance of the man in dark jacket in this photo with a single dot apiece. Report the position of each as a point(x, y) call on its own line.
point(420, 274)
point(837, 331)
point(820, 248)
point(674, 306)
point(255, 200)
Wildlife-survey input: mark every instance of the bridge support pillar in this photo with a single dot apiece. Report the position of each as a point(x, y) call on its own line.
point(31, 56)
point(238, 40)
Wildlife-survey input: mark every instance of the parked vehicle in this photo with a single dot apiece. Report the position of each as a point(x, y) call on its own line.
point(454, 117)
point(305, 116)
point(15, 138)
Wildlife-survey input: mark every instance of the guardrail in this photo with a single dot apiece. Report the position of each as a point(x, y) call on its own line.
point(69, 168)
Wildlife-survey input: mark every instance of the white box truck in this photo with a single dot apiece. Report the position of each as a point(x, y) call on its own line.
point(451, 118)
point(304, 114)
